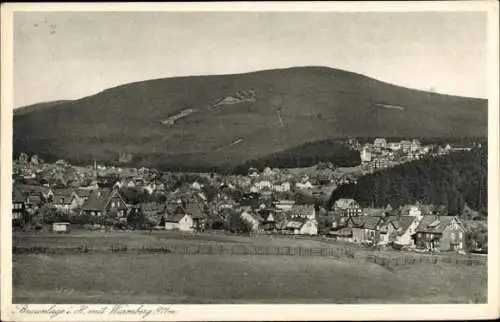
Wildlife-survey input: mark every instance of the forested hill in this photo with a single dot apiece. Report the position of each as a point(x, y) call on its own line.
point(209, 121)
point(451, 180)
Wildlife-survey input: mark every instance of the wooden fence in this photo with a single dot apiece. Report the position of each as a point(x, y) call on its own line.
point(386, 260)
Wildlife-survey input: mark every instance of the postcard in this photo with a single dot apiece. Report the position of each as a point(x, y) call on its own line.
point(250, 161)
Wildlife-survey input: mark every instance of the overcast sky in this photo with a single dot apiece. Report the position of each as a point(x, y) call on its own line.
point(72, 55)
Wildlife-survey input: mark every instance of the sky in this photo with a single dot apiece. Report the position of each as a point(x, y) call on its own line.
point(70, 55)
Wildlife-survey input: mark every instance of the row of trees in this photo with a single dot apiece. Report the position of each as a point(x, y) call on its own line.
point(48, 216)
point(453, 180)
point(306, 155)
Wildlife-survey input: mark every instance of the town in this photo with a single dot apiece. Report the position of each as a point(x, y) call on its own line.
point(59, 196)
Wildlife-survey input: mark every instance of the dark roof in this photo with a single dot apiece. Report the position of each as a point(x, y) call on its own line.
point(195, 211)
point(98, 199)
point(35, 199)
point(366, 222)
point(434, 224)
point(83, 192)
point(175, 217)
point(24, 188)
point(63, 192)
point(151, 207)
point(62, 199)
point(343, 232)
point(302, 210)
point(17, 195)
point(401, 223)
point(371, 222)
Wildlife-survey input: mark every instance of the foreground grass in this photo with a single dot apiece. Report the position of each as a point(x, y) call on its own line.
point(124, 278)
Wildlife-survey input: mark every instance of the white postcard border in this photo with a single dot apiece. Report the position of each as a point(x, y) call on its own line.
point(249, 312)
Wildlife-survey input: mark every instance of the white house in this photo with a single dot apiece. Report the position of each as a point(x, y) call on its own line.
point(179, 221)
point(365, 155)
point(380, 143)
point(263, 184)
point(302, 226)
point(250, 218)
point(303, 186)
point(282, 187)
point(196, 185)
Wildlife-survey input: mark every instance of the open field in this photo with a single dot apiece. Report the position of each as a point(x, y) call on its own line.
point(177, 278)
point(121, 278)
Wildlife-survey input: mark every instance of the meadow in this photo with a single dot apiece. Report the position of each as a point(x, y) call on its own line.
point(177, 278)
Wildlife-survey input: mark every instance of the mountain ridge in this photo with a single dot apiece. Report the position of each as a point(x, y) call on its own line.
point(290, 106)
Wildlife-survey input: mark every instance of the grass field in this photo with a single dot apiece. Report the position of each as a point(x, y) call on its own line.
point(173, 278)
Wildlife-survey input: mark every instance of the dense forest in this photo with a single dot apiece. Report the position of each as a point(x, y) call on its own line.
point(306, 155)
point(452, 180)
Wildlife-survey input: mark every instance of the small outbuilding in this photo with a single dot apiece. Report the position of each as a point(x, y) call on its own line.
point(60, 227)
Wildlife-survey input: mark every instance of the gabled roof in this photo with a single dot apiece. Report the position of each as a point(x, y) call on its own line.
point(343, 232)
point(365, 222)
point(83, 193)
point(17, 195)
point(435, 224)
point(99, 199)
point(302, 210)
point(344, 203)
point(151, 207)
point(34, 199)
point(63, 192)
point(175, 218)
point(24, 188)
point(62, 199)
point(295, 223)
point(195, 211)
point(401, 223)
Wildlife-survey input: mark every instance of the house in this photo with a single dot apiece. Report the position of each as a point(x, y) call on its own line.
point(197, 214)
point(253, 219)
point(196, 185)
point(83, 195)
point(399, 231)
point(34, 200)
point(179, 221)
point(282, 187)
point(380, 143)
point(304, 185)
point(18, 203)
point(152, 209)
point(440, 233)
point(342, 234)
point(284, 205)
point(259, 185)
point(365, 155)
point(43, 192)
point(405, 146)
point(302, 226)
point(415, 145)
point(103, 202)
point(365, 229)
point(394, 146)
point(268, 218)
point(380, 163)
point(303, 211)
point(65, 200)
point(347, 207)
